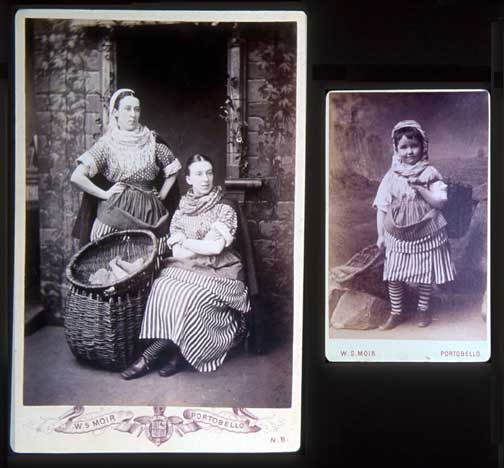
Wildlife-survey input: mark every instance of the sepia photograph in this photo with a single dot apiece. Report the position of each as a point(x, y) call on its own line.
point(158, 272)
point(407, 238)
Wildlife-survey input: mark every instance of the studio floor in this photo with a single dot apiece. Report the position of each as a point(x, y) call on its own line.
point(52, 376)
point(457, 319)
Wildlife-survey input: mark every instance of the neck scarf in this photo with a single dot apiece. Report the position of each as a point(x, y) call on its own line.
point(135, 146)
point(410, 170)
point(192, 205)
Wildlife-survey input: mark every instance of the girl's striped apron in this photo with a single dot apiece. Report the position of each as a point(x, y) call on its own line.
point(425, 260)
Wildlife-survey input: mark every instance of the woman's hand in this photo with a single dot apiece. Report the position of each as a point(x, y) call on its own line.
point(380, 242)
point(204, 247)
point(117, 188)
point(183, 247)
point(180, 252)
point(80, 178)
point(177, 238)
point(212, 235)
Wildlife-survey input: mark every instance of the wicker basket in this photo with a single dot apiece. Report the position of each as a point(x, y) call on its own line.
point(459, 208)
point(102, 322)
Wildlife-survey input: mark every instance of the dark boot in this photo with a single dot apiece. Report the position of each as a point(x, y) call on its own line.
point(139, 368)
point(173, 366)
point(424, 318)
point(392, 322)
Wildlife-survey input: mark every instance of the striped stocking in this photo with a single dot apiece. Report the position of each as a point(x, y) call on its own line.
point(395, 289)
point(424, 295)
point(155, 349)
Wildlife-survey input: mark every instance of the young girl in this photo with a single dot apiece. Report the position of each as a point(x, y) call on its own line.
point(410, 225)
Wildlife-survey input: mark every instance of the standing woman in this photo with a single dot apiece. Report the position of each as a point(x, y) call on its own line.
point(200, 298)
point(118, 175)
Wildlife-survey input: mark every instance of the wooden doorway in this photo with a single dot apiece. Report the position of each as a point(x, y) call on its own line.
point(181, 79)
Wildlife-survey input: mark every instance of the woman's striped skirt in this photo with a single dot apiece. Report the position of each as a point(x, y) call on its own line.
point(139, 203)
point(199, 313)
point(425, 260)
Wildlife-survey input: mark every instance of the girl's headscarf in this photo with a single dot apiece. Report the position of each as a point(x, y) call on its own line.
point(408, 170)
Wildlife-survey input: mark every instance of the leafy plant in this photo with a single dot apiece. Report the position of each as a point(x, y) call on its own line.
point(63, 47)
point(278, 63)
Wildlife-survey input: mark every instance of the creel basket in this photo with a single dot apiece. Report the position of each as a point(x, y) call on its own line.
point(102, 322)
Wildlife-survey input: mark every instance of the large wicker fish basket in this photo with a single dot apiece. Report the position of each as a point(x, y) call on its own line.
point(102, 322)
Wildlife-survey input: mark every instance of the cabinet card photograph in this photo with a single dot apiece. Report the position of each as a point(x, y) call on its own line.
point(407, 226)
point(159, 164)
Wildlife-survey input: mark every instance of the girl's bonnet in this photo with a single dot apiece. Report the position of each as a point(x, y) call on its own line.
point(397, 165)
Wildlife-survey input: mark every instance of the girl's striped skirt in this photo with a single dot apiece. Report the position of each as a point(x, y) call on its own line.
point(425, 260)
point(199, 313)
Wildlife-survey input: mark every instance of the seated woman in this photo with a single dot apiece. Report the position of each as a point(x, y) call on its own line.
point(130, 158)
point(198, 302)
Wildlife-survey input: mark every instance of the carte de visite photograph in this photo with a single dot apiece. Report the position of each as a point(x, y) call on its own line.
point(407, 226)
point(159, 164)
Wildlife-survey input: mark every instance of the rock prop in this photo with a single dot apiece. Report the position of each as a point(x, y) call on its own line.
point(334, 297)
point(358, 310)
point(363, 272)
point(358, 296)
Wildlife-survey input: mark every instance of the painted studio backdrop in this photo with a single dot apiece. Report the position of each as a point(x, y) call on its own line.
point(360, 152)
point(226, 90)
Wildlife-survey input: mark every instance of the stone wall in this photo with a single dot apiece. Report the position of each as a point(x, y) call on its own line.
point(67, 103)
point(271, 156)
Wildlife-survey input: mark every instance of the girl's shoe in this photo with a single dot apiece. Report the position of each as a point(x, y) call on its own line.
point(424, 318)
point(392, 322)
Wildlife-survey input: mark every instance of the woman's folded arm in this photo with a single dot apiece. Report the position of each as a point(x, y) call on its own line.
point(205, 246)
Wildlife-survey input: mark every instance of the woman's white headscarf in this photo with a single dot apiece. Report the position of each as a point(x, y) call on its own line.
point(113, 100)
point(128, 143)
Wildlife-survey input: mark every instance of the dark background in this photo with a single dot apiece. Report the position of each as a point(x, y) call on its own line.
point(176, 88)
point(408, 415)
